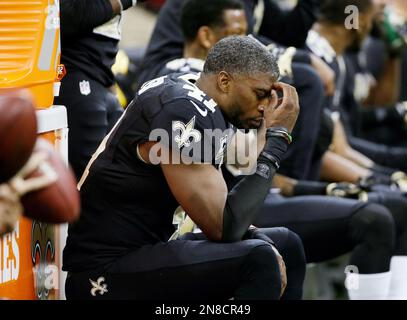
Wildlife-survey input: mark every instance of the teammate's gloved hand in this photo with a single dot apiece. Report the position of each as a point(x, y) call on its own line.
point(129, 3)
point(399, 180)
point(21, 184)
point(254, 233)
point(10, 208)
point(366, 183)
point(346, 190)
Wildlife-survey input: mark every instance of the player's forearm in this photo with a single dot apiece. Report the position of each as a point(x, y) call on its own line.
point(79, 16)
point(358, 158)
point(247, 197)
point(285, 184)
point(291, 187)
point(337, 169)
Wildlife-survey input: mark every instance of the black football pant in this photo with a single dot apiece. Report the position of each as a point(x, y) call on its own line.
point(92, 111)
point(193, 268)
point(330, 227)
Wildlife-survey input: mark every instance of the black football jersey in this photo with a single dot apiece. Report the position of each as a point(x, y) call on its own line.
point(126, 203)
point(93, 52)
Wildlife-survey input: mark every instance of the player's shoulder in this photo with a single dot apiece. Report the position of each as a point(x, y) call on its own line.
point(180, 97)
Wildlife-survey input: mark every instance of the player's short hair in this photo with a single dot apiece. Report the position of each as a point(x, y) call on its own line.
point(241, 55)
point(333, 11)
point(198, 13)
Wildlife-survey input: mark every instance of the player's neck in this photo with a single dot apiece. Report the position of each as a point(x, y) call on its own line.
point(193, 50)
point(337, 36)
point(208, 84)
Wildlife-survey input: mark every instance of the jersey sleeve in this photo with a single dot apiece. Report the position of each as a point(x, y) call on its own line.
point(188, 130)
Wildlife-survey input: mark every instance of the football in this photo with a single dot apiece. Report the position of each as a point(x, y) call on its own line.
point(58, 202)
point(18, 132)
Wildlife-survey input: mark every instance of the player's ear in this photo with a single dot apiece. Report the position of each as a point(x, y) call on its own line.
point(224, 81)
point(206, 37)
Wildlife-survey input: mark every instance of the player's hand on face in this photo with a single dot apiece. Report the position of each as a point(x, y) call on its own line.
point(282, 112)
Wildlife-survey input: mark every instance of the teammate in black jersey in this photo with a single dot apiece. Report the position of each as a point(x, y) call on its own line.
point(119, 248)
point(90, 32)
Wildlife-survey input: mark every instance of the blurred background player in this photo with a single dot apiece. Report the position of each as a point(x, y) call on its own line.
point(90, 32)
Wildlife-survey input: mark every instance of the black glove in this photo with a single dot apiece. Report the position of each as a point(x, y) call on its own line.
point(346, 190)
point(129, 3)
point(399, 180)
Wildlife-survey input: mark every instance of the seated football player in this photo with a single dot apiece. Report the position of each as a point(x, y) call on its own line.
point(166, 151)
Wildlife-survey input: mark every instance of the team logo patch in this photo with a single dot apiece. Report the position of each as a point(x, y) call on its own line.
point(98, 287)
point(187, 133)
point(84, 87)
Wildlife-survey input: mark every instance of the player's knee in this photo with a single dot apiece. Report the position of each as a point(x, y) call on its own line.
point(261, 266)
point(294, 252)
point(376, 224)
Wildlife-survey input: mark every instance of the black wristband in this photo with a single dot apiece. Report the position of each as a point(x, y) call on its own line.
point(308, 188)
point(279, 132)
point(276, 147)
